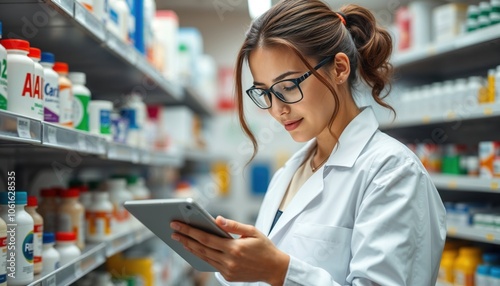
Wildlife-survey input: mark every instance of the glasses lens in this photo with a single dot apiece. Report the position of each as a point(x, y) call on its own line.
point(260, 97)
point(287, 91)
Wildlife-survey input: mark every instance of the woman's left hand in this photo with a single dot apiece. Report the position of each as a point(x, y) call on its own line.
point(249, 258)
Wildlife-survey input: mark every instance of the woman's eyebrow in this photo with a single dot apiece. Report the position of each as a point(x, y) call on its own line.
point(280, 77)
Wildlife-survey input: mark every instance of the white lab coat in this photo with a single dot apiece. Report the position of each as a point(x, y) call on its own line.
point(370, 216)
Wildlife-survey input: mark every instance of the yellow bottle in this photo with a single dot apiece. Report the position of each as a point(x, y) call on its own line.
point(465, 266)
point(491, 86)
point(446, 267)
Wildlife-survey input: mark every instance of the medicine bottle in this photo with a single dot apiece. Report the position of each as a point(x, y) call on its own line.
point(446, 266)
point(66, 247)
point(65, 95)
point(20, 69)
point(37, 81)
point(3, 75)
point(50, 256)
point(118, 194)
point(47, 208)
point(465, 265)
point(81, 100)
point(21, 233)
point(71, 216)
point(51, 108)
point(101, 223)
point(37, 233)
point(3, 253)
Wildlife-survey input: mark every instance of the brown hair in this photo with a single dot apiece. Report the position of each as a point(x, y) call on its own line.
point(312, 30)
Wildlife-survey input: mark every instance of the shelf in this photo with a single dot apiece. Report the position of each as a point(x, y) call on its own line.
point(75, 36)
point(121, 152)
point(93, 256)
point(466, 183)
point(17, 128)
point(59, 137)
point(155, 158)
point(473, 51)
point(474, 234)
point(193, 100)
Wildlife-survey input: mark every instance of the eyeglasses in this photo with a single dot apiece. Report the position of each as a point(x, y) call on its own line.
point(287, 90)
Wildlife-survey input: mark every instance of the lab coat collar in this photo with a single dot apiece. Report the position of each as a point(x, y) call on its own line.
point(354, 139)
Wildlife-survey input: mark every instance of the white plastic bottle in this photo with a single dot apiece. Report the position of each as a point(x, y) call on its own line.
point(474, 85)
point(51, 108)
point(21, 234)
point(66, 247)
point(118, 194)
point(81, 100)
point(50, 256)
point(118, 19)
point(3, 253)
point(37, 233)
point(37, 81)
point(459, 96)
point(135, 112)
point(20, 71)
point(101, 225)
point(136, 188)
point(65, 95)
point(484, 14)
point(3, 75)
point(100, 118)
point(71, 215)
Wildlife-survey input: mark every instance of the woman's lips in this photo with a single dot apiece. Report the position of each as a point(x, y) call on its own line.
point(292, 125)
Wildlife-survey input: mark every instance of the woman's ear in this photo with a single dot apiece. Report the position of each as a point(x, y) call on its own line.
point(341, 68)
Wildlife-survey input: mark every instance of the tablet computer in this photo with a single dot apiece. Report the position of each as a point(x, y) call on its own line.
point(157, 214)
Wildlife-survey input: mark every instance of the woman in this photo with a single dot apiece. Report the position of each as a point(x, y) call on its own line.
point(353, 206)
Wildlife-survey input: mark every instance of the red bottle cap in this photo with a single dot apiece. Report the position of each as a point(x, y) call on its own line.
point(61, 67)
point(15, 44)
point(65, 236)
point(70, 193)
point(32, 201)
point(35, 53)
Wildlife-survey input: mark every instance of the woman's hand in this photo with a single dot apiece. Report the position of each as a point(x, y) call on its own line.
point(250, 258)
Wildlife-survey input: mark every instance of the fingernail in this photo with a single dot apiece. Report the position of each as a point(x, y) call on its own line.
point(223, 220)
point(175, 226)
point(175, 237)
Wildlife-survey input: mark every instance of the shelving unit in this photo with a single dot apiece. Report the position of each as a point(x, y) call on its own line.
point(474, 234)
point(466, 183)
point(93, 256)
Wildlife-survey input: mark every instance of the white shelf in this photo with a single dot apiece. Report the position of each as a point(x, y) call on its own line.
point(93, 256)
point(59, 137)
point(474, 234)
point(466, 183)
point(17, 128)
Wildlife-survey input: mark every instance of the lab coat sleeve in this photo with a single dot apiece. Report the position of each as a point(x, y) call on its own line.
point(398, 234)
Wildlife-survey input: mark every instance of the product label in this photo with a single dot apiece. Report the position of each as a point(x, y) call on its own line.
point(462, 279)
point(21, 90)
point(80, 112)
point(28, 247)
point(131, 117)
point(105, 118)
point(38, 93)
point(3, 257)
point(38, 243)
point(113, 16)
point(101, 225)
point(66, 105)
point(51, 98)
point(3, 84)
point(79, 229)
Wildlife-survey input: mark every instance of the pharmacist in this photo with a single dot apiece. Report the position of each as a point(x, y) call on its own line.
point(353, 206)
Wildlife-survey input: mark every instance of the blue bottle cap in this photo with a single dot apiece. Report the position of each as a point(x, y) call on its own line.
point(483, 269)
point(48, 58)
point(18, 198)
point(48, 237)
point(495, 272)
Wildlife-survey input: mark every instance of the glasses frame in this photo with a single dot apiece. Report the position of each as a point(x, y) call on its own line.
point(296, 81)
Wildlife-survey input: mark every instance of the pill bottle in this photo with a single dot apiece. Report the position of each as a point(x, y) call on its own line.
point(37, 233)
point(100, 118)
point(118, 194)
point(71, 215)
point(494, 276)
point(21, 233)
point(3, 253)
point(48, 209)
point(102, 222)
point(50, 256)
point(65, 95)
point(20, 70)
point(3, 75)
point(66, 247)
point(465, 266)
point(51, 107)
point(446, 266)
point(37, 81)
point(137, 187)
point(81, 101)
point(482, 277)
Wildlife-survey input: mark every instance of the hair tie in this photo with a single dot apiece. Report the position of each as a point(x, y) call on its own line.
point(341, 17)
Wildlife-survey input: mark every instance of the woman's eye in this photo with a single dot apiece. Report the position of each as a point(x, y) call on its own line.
point(288, 87)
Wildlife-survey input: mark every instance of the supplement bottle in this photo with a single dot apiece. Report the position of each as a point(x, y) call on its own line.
point(20, 70)
point(136, 187)
point(465, 265)
point(3, 75)
point(101, 222)
point(118, 194)
point(21, 235)
point(71, 216)
point(80, 101)
point(50, 256)
point(37, 233)
point(446, 267)
point(100, 118)
point(65, 95)
point(66, 247)
point(37, 81)
point(3, 253)
point(48, 209)
point(494, 276)
point(482, 275)
point(51, 109)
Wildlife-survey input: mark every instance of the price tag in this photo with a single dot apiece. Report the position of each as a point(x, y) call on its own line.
point(431, 50)
point(488, 111)
point(82, 142)
point(51, 281)
point(426, 119)
point(452, 184)
point(23, 128)
point(52, 134)
point(451, 115)
point(490, 237)
point(494, 185)
point(452, 230)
